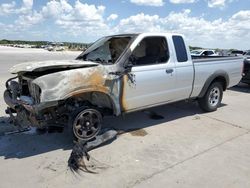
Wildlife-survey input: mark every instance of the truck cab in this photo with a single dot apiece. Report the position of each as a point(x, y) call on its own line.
point(157, 60)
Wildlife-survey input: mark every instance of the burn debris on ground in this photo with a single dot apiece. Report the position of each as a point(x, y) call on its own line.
point(81, 148)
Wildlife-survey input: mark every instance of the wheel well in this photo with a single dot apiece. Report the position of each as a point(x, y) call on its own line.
point(222, 80)
point(218, 77)
point(98, 99)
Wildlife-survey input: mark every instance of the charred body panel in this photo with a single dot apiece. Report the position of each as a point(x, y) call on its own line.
point(48, 93)
point(51, 98)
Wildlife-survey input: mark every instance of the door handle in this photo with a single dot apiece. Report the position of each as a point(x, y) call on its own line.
point(169, 71)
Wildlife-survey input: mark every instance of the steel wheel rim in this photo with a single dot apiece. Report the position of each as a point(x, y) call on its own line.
point(87, 124)
point(214, 96)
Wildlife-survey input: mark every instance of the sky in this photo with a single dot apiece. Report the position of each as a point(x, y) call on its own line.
point(205, 23)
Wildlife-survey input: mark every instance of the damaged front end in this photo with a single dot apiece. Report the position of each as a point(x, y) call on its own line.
point(24, 107)
point(50, 96)
point(75, 94)
point(21, 107)
point(54, 93)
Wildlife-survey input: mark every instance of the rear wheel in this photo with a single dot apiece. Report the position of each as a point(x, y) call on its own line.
point(212, 98)
point(87, 123)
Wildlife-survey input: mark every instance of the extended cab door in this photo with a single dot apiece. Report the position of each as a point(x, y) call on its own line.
point(184, 68)
point(153, 71)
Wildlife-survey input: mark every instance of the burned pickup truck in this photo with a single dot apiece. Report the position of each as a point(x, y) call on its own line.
point(117, 74)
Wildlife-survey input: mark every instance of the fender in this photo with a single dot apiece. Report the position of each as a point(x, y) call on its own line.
point(220, 75)
point(99, 97)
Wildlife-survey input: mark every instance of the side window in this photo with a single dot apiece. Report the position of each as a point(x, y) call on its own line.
point(151, 50)
point(210, 53)
point(180, 49)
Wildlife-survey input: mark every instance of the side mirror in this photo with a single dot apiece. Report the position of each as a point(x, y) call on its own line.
point(132, 59)
point(130, 63)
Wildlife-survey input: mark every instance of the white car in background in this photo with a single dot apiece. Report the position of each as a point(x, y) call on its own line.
point(203, 53)
point(54, 46)
point(236, 53)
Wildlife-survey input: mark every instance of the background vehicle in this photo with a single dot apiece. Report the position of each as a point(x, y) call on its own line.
point(246, 71)
point(117, 74)
point(203, 53)
point(53, 46)
point(236, 53)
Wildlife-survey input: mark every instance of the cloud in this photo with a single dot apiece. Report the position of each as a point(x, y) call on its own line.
point(182, 1)
point(78, 18)
point(89, 22)
point(10, 8)
point(55, 9)
point(80, 12)
point(25, 21)
point(242, 15)
point(112, 17)
point(26, 17)
point(7, 8)
point(26, 7)
point(218, 3)
point(156, 3)
point(198, 31)
point(139, 23)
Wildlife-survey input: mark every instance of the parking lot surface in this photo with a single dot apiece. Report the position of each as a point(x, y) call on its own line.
point(188, 148)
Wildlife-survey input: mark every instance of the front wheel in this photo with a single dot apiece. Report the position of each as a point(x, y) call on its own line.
point(212, 98)
point(87, 124)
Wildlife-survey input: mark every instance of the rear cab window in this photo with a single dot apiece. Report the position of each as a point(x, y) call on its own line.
point(180, 48)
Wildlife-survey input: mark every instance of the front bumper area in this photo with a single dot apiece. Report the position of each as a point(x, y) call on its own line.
point(21, 114)
point(15, 104)
point(24, 115)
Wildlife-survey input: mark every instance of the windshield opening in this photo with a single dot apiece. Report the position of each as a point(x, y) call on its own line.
point(106, 50)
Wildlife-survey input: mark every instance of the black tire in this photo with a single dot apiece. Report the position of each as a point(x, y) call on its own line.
point(82, 122)
point(212, 98)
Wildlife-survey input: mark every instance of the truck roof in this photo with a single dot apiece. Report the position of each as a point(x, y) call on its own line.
point(146, 34)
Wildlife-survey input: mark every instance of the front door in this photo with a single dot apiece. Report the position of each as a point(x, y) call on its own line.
point(154, 75)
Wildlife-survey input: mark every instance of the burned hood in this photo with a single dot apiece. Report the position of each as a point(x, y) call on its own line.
point(38, 66)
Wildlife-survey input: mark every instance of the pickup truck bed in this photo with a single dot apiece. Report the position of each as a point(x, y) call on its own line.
point(228, 67)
